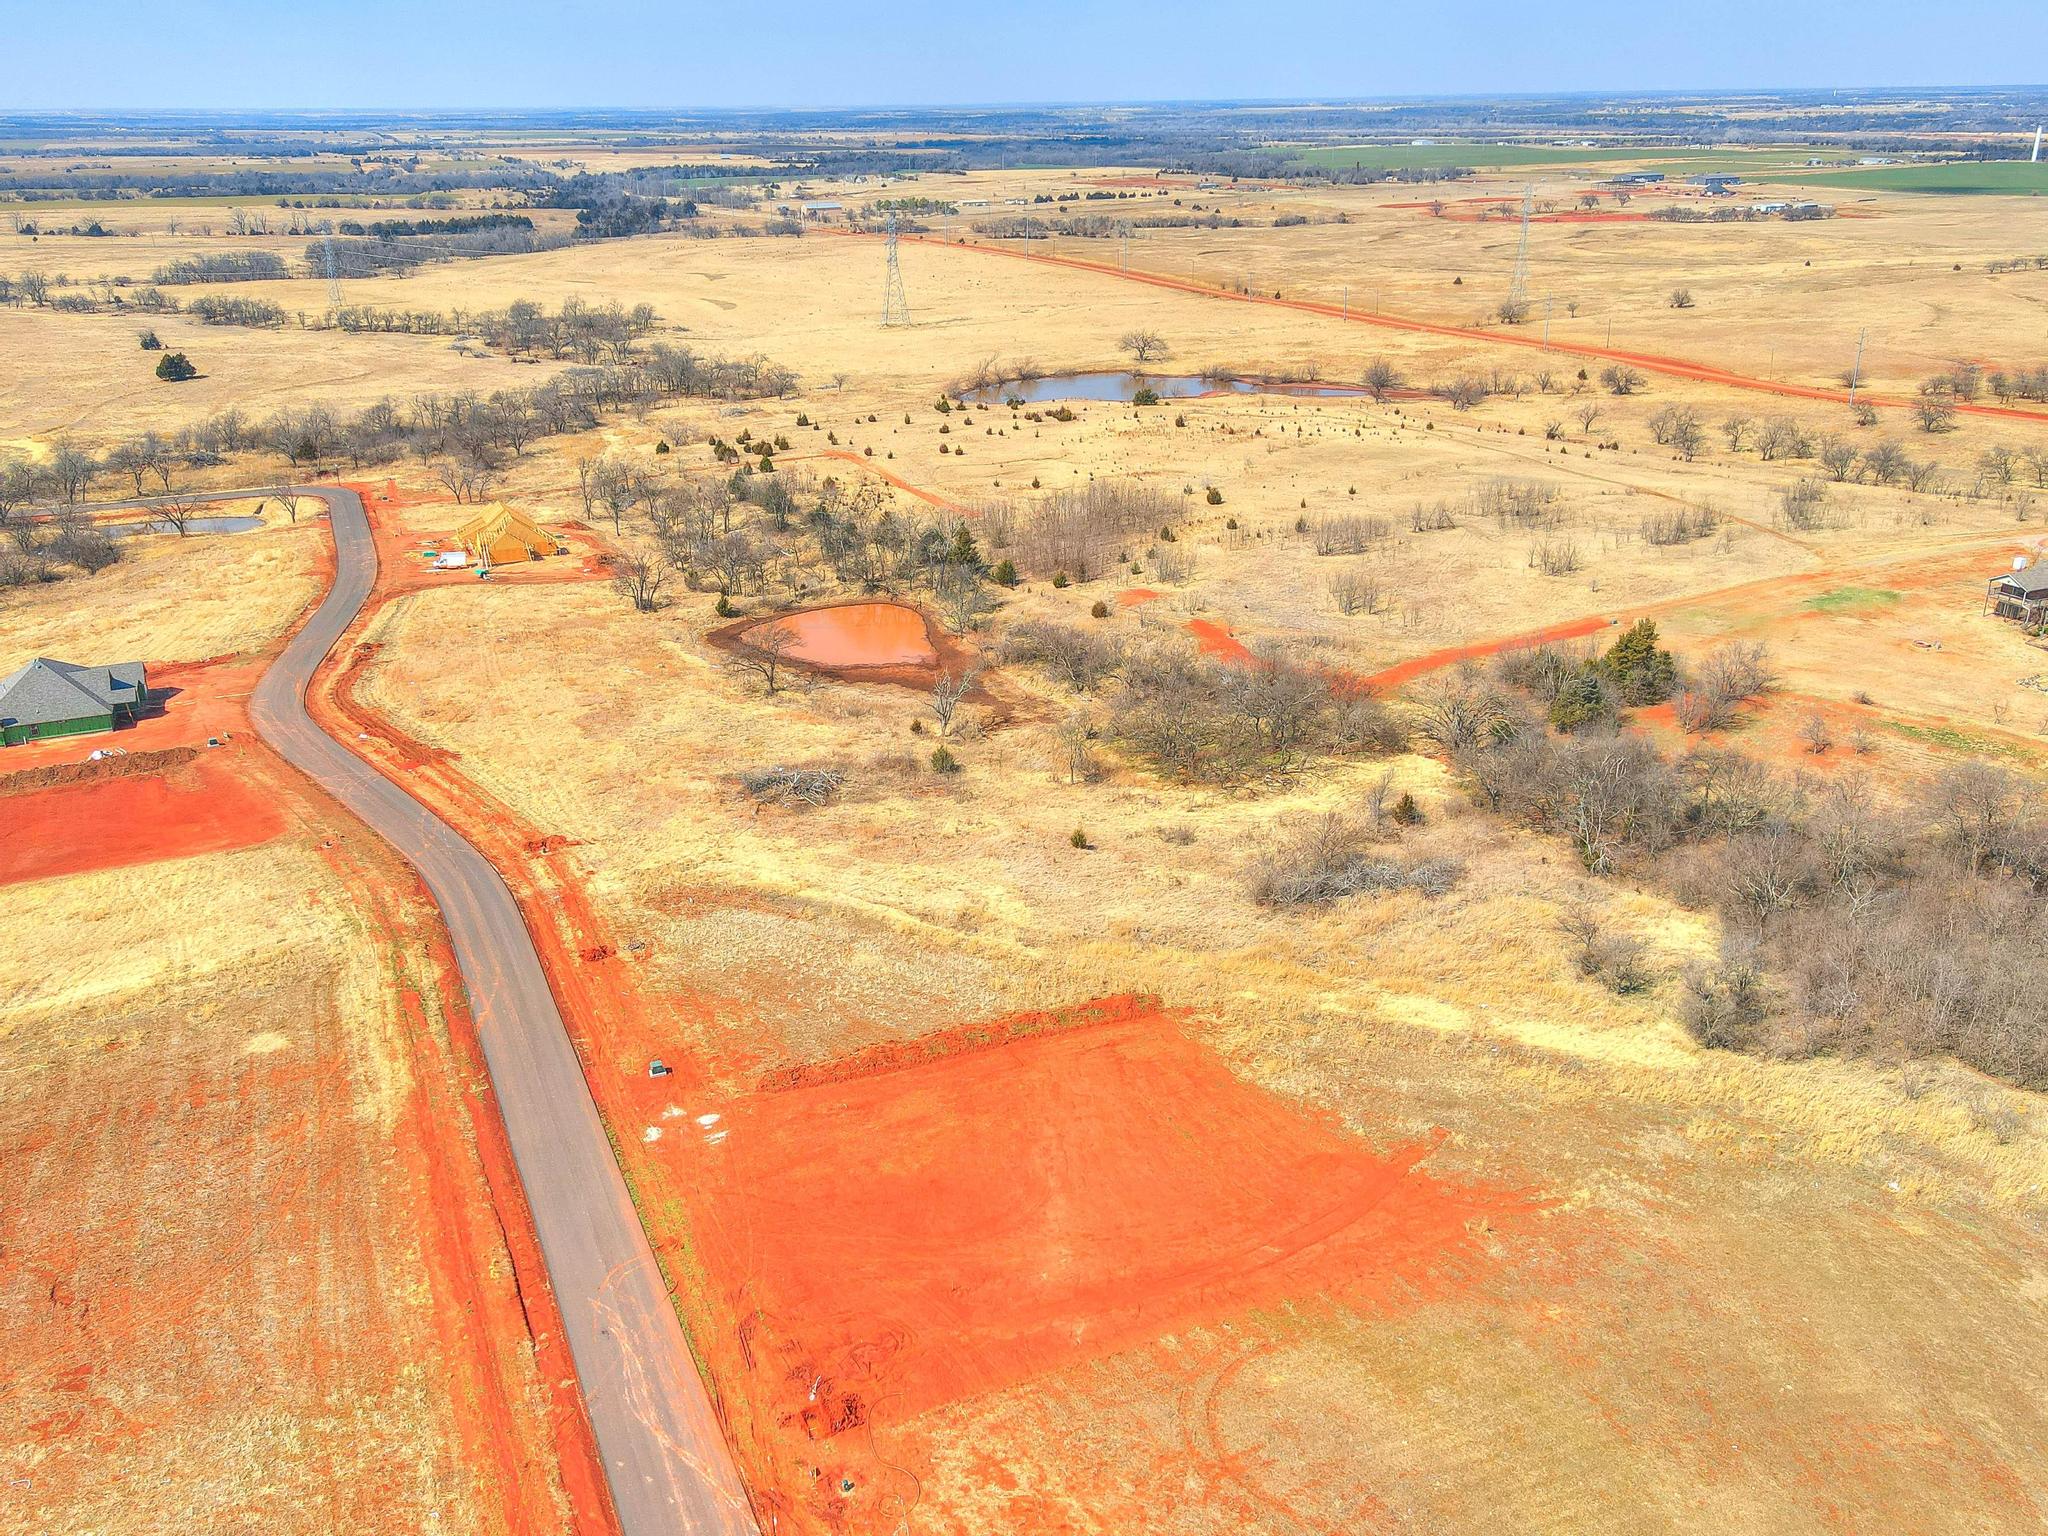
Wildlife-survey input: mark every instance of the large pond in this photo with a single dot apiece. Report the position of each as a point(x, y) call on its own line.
point(194, 525)
point(853, 635)
point(1125, 386)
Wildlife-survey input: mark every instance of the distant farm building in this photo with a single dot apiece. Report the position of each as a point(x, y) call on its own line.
point(1636, 179)
point(1718, 186)
point(819, 210)
point(500, 536)
point(54, 698)
point(2021, 593)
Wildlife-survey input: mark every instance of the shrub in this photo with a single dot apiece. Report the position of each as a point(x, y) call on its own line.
point(1725, 1006)
point(1328, 858)
point(1078, 837)
point(1080, 658)
point(1005, 573)
point(1406, 812)
point(1100, 610)
point(176, 367)
point(1059, 579)
point(1215, 497)
point(150, 343)
point(1641, 672)
point(1579, 700)
point(943, 760)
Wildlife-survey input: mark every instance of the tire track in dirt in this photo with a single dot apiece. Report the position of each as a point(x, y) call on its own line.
point(933, 498)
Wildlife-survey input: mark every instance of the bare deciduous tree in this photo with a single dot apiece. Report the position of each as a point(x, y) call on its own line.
point(1144, 346)
point(764, 651)
point(947, 693)
point(639, 579)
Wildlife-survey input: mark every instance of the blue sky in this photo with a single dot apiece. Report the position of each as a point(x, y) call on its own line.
point(635, 53)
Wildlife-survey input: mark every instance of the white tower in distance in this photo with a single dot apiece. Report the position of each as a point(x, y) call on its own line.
point(2037, 145)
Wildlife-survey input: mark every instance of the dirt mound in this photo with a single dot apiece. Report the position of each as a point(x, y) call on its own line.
point(50, 775)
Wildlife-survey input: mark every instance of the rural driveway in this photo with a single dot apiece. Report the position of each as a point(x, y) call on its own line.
point(664, 1452)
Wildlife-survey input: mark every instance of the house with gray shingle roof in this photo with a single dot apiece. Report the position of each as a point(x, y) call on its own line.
point(54, 698)
point(2021, 593)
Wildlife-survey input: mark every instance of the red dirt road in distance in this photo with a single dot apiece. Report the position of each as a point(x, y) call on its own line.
point(207, 806)
point(901, 484)
point(980, 1207)
point(1670, 367)
point(1433, 661)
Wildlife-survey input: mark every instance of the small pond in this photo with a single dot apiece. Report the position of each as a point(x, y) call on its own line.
point(195, 525)
point(1125, 386)
point(854, 635)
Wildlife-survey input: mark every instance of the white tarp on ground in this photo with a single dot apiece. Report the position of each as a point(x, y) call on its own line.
point(454, 560)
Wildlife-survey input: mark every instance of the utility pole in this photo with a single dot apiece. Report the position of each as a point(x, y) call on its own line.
point(1347, 301)
point(333, 278)
point(1518, 286)
point(1856, 369)
point(1546, 324)
point(895, 302)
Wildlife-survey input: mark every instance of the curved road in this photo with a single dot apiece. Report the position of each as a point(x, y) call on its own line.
point(664, 1452)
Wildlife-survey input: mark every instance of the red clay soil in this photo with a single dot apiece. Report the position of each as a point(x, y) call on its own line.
point(402, 566)
point(945, 1215)
point(169, 796)
point(980, 1207)
point(207, 805)
point(1217, 641)
point(136, 1355)
point(202, 699)
point(933, 498)
point(850, 635)
point(512, 1315)
point(1671, 367)
point(948, 657)
point(1418, 666)
point(1136, 596)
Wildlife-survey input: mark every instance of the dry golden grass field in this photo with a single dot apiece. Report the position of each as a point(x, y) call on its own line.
point(1374, 1215)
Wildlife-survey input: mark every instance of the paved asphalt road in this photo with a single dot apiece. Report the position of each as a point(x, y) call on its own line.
point(663, 1450)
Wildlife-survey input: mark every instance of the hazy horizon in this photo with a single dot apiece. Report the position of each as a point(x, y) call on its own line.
point(636, 56)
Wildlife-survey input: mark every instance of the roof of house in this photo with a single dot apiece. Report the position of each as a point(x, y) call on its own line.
point(497, 521)
point(2033, 580)
point(45, 692)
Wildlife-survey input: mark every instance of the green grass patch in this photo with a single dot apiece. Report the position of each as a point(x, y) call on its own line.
point(1675, 161)
point(1949, 739)
point(1958, 178)
point(1852, 600)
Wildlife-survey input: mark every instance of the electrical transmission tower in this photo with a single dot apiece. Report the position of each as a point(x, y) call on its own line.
point(895, 302)
point(1518, 290)
point(333, 278)
point(1123, 245)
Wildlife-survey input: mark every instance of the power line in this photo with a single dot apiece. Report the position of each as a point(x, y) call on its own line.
point(1518, 288)
point(895, 302)
point(333, 277)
